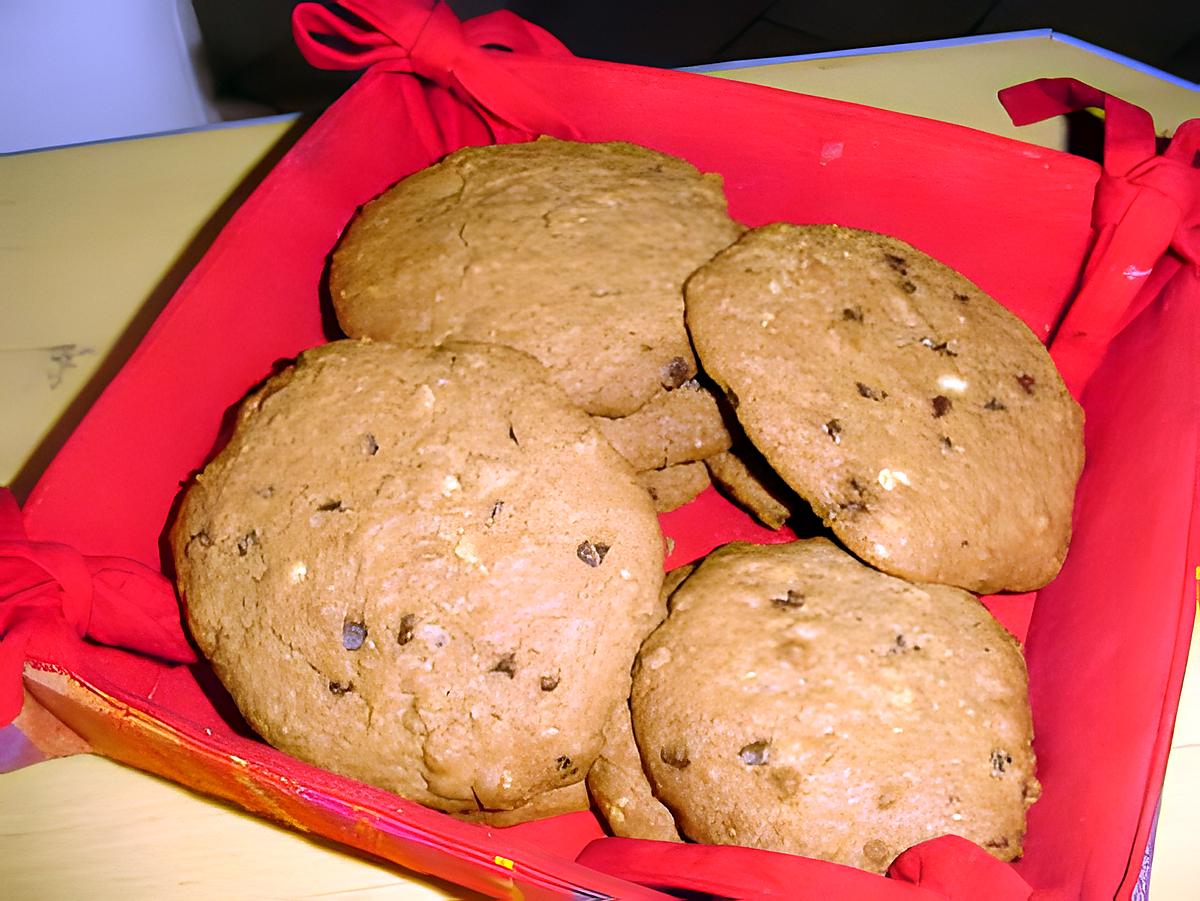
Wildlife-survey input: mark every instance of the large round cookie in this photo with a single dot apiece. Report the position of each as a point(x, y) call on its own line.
point(797, 700)
point(575, 253)
point(925, 423)
point(424, 569)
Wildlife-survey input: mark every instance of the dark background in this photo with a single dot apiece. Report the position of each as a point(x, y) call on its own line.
point(252, 57)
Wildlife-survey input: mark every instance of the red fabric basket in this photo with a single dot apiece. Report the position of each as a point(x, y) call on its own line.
point(1104, 260)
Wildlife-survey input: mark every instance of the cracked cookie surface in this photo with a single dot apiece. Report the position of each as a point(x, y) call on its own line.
point(924, 423)
point(423, 569)
point(574, 253)
point(797, 700)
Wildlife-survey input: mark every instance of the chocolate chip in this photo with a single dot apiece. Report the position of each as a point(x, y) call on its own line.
point(755, 753)
point(353, 635)
point(563, 762)
point(1000, 762)
point(404, 634)
point(330, 506)
point(246, 542)
point(961, 298)
point(902, 646)
point(898, 263)
point(793, 599)
point(855, 502)
point(941, 406)
point(591, 554)
point(852, 314)
point(549, 683)
point(833, 429)
point(994, 404)
point(909, 287)
point(507, 665)
point(369, 445)
point(676, 757)
point(675, 373)
point(1026, 382)
point(201, 538)
point(939, 347)
point(339, 689)
point(870, 393)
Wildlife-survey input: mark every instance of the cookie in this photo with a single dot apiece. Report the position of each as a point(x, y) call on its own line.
point(674, 486)
point(618, 785)
point(744, 476)
point(423, 569)
point(922, 421)
point(617, 780)
point(797, 700)
point(575, 253)
point(674, 427)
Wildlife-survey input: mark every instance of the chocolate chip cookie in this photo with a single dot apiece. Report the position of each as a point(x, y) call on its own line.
point(617, 780)
point(799, 701)
point(673, 427)
point(922, 421)
point(424, 569)
point(575, 253)
point(673, 486)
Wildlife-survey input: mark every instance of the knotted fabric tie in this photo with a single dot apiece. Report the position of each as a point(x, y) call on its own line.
point(427, 39)
point(52, 596)
point(1145, 204)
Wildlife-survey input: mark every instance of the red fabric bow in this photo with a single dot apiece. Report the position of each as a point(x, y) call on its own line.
point(947, 868)
point(52, 596)
point(427, 39)
point(1145, 204)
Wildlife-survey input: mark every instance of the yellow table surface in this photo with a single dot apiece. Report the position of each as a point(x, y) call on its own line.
point(93, 240)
